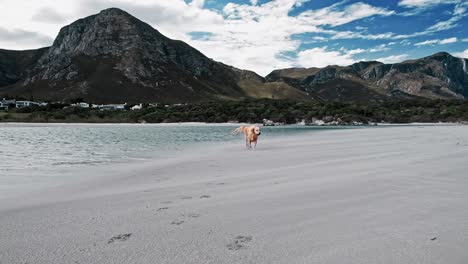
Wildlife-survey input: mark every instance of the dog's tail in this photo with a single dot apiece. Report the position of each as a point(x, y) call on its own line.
point(238, 130)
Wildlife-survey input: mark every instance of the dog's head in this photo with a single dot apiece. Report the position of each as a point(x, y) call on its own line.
point(256, 130)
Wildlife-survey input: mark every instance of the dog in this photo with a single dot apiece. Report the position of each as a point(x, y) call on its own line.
point(251, 134)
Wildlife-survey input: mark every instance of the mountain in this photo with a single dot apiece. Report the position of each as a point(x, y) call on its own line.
point(113, 57)
point(440, 76)
point(14, 63)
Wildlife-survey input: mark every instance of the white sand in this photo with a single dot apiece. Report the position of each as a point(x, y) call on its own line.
point(376, 195)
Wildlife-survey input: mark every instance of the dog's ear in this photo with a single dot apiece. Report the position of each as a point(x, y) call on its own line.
point(252, 130)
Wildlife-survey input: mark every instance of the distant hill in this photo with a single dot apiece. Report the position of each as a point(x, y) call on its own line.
point(112, 57)
point(440, 76)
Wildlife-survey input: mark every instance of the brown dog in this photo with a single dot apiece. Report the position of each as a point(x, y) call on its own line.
point(251, 134)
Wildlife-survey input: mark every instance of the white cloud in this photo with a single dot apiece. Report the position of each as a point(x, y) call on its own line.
point(393, 58)
point(378, 48)
point(355, 51)
point(442, 25)
point(260, 35)
point(428, 42)
point(197, 3)
point(437, 41)
point(321, 57)
point(462, 54)
point(381, 47)
point(465, 40)
point(335, 15)
point(19, 35)
point(425, 3)
point(353, 35)
point(48, 15)
point(448, 40)
point(459, 12)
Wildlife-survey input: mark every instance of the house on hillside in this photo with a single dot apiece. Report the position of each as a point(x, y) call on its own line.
point(5, 104)
point(110, 107)
point(137, 107)
point(20, 104)
point(82, 105)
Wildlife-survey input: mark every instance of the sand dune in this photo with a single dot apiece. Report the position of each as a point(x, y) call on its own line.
point(374, 195)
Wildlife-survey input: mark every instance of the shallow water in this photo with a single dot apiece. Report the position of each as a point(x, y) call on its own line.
point(36, 155)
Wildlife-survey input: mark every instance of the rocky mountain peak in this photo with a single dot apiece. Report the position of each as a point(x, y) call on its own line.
point(111, 31)
point(114, 11)
point(439, 55)
point(363, 65)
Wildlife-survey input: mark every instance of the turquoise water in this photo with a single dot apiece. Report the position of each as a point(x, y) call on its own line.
point(40, 154)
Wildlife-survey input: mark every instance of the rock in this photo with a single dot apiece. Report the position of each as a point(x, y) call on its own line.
point(72, 75)
point(267, 122)
point(328, 119)
point(119, 238)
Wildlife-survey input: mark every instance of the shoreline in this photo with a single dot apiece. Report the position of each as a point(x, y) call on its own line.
point(364, 196)
point(226, 124)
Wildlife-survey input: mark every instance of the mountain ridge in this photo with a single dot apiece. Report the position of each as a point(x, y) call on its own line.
point(112, 57)
point(438, 76)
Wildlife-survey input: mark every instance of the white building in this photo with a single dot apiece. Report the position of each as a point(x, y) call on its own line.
point(20, 104)
point(82, 105)
point(110, 107)
point(137, 107)
point(5, 104)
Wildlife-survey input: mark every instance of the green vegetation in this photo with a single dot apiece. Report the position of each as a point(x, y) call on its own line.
point(285, 111)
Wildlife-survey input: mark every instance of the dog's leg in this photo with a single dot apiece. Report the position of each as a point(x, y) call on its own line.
point(247, 143)
point(255, 145)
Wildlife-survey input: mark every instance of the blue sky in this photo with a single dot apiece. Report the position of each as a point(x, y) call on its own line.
point(264, 35)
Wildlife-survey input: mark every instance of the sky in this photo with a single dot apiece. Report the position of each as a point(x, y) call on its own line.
point(263, 35)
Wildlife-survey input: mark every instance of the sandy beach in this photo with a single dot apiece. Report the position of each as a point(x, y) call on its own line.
point(371, 195)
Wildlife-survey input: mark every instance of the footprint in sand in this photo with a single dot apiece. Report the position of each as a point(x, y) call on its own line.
point(166, 202)
point(205, 196)
point(193, 215)
point(186, 197)
point(162, 208)
point(177, 222)
point(119, 238)
point(239, 242)
point(215, 183)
